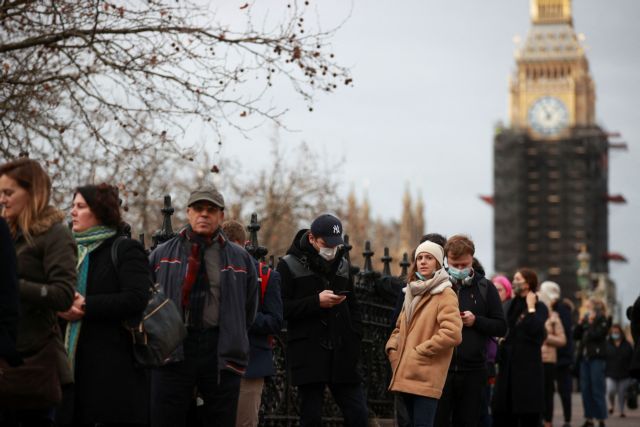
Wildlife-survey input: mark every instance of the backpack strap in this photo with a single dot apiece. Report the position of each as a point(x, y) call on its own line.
point(265, 274)
point(114, 251)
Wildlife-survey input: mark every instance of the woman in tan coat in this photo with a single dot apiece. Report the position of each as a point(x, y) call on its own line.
point(549, 293)
point(427, 330)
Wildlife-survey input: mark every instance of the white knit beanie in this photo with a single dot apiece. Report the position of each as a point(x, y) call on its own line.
point(431, 248)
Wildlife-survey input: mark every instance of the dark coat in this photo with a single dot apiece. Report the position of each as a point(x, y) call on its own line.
point(109, 388)
point(490, 322)
point(635, 333)
point(323, 344)
point(9, 302)
point(46, 281)
point(268, 322)
point(520, 375)
point(566, 352)
point(592, 337)
point(238, 295)
point(618, 359)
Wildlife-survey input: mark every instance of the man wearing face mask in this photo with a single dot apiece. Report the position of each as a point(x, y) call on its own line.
point(323, 322)
point(482, 318)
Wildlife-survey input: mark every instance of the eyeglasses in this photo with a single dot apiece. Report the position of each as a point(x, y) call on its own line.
point(205, 207)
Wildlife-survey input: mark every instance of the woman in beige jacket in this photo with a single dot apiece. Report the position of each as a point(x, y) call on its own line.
point(549, 293)
point(427, 330)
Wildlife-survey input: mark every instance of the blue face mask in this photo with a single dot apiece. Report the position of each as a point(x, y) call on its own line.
point(420, 276)
point(459, 275)
point(615, 336)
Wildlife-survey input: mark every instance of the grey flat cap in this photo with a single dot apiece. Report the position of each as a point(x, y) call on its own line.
point(208, 194)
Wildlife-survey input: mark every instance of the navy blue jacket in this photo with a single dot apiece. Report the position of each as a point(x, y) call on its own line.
point(565, 353)
point(268, 322)
point(238, 295)
point(490, 322)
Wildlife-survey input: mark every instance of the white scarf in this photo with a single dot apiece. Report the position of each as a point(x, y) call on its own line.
point(416, 289)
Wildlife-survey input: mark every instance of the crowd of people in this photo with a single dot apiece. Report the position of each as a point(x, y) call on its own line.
point(463, 350)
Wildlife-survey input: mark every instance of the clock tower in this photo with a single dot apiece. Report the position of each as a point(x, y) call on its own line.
point(551, 163)
point(551, 90)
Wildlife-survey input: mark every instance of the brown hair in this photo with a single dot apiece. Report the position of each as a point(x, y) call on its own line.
point(530, 277)
point(458, 246)
point(234, 231)
point(30, 176)
point(104, 203)
point(411, 275)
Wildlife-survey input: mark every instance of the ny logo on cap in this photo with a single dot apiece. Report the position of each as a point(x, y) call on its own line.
point(336, 229)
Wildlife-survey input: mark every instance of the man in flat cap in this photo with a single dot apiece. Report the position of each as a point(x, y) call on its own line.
point(324, 328)
point(213, 282)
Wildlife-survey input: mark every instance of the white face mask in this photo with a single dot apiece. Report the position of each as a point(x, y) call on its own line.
point(328, 253)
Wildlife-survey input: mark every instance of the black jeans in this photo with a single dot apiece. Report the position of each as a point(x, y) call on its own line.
point(461, 401)
point(349, 397)
point(564, 381)
point(173, 385)
point(549, 380)
point(504, 419)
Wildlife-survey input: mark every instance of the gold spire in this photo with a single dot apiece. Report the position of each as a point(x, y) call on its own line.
point(551, 11)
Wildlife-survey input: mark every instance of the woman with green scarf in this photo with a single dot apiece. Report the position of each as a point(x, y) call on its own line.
point(108, 388)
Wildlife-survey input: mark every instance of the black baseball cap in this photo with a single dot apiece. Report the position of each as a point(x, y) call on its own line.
point(329, 228)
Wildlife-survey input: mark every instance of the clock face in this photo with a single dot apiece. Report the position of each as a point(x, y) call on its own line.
point(548, 116)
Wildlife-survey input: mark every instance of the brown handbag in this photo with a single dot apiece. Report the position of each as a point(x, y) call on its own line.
point(33, 385)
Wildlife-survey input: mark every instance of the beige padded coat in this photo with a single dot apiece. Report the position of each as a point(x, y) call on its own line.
point(420, 353)
point(555, 338)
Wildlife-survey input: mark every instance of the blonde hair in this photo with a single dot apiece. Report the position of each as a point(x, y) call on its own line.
point(30, 176)
point(599, 305)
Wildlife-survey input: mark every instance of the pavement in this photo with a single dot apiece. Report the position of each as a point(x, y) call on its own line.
point(632, 418)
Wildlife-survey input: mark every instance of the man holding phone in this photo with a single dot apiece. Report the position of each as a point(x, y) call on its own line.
point(323, 323)
point(482, 318)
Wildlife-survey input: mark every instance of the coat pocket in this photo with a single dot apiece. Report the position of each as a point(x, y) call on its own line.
point(416, 365)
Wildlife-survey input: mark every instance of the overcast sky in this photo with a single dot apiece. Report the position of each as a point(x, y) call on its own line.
point(430, 82)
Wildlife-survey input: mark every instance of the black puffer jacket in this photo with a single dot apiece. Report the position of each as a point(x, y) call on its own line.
point(592, 337)
point(323, 344)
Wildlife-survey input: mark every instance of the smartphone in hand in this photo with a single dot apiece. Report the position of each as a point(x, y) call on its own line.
point(342, 293)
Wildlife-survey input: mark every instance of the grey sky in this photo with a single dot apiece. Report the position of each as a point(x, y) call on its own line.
point(430, 83)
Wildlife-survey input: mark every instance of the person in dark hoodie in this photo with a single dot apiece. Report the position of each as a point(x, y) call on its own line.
point(482, 318)
point(324, 329)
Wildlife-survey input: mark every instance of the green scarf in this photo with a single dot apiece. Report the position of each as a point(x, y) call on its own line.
point(87, 241)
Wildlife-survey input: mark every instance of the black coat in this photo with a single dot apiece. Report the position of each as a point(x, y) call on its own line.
point(520, 380)
point(618, 359)
point(592, 337)
point(635, 333)
point(490, 322)
point(323, 345)
point(109, 388)
point(9, 301)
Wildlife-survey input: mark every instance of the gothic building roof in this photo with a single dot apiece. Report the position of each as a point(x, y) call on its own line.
point(551, 41)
